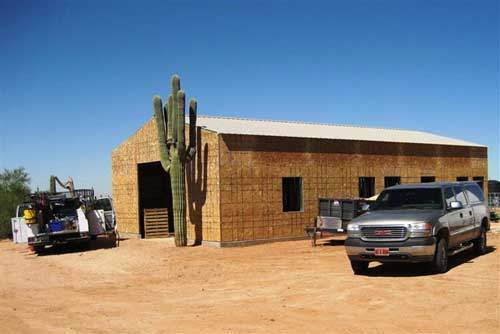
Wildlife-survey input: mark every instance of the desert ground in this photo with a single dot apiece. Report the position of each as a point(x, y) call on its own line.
point(149, 286)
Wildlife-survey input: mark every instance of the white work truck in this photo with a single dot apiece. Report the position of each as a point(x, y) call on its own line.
point(64, 217)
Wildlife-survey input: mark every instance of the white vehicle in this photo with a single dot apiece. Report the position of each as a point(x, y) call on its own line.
point(64, 217)
point(20, 230)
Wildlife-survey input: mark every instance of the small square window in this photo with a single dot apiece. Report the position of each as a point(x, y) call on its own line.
point(427, 179)
point(462, 178)
point(292, 194)
point(390, 181)
point(366, 187)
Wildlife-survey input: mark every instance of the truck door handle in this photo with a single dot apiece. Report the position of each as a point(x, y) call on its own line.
point(470, 213)
point(461, 215)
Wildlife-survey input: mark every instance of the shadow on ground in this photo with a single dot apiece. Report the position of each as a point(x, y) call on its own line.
point(402, 269)
point(421, 269)
point(92, 245)
point(330, 242)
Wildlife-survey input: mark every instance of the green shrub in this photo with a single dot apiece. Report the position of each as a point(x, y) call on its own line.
point(13, 189)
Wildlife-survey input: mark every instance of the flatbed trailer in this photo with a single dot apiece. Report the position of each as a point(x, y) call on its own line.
point(313, 231)
point(334, 215)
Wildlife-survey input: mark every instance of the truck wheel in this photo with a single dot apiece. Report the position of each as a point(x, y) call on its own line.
point(480, 243)
point(359, 267)
point(439, 264)
point(37, 248)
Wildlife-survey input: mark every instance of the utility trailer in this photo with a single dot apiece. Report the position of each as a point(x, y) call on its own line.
point(334, 215)
point(70, 217)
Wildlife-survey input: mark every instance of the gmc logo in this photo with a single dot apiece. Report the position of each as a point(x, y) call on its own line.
point(382, 233)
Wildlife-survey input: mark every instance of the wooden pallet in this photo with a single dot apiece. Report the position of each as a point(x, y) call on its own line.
point(156, 223)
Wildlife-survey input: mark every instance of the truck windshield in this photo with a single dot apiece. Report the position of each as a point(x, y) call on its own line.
point(416, 198)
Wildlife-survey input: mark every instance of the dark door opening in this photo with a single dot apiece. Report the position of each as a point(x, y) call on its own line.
point(154, 192)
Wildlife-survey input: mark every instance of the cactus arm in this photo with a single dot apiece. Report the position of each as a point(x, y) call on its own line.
point(160, 127)
point(181, 128)
point(191, 150)
point(165, 120)
point(170, 124)
point(176, 84)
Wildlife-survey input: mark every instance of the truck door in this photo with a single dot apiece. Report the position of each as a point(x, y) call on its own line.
point(452, 216)
point(478, 209)
point(15, 229)
point(463, 214)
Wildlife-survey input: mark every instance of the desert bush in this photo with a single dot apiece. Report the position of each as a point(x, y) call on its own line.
point(14, 186)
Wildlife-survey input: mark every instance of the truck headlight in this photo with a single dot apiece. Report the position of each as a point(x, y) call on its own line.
point(353, 231)
point(420, 230)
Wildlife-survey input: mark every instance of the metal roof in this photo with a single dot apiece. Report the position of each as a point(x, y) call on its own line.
point(257, 127)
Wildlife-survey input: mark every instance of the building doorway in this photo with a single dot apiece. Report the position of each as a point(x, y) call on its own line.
point(154, 192)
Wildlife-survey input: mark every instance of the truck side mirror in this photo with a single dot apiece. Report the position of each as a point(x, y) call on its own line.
point(455, 205)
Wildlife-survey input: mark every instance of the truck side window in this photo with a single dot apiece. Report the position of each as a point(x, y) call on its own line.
point(460, 195)
point(474, 193)
point(449, 196)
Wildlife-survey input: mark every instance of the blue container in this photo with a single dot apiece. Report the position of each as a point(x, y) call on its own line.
point(56, 225)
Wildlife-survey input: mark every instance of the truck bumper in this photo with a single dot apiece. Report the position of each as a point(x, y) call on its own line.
point(53, 238)
point(411, 250)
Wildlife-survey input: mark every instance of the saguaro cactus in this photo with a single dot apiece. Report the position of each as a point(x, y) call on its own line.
point(170, 120)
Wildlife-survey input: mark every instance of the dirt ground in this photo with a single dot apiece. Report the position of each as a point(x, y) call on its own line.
point(149, 286)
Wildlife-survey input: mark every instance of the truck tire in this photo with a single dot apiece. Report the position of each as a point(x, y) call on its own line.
point(480, 243)
point(439, 263)
point(359, 267)
point(38, 249)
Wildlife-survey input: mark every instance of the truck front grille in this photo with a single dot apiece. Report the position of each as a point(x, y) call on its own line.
point(392, 233)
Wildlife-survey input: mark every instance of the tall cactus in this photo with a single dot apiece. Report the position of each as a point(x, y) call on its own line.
point(174, 154)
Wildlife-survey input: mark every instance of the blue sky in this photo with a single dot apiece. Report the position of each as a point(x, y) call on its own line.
point(77, 77)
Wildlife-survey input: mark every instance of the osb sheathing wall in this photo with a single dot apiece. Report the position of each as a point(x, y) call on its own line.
point(252, 169)
point(242, 202)
point(201, 174)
